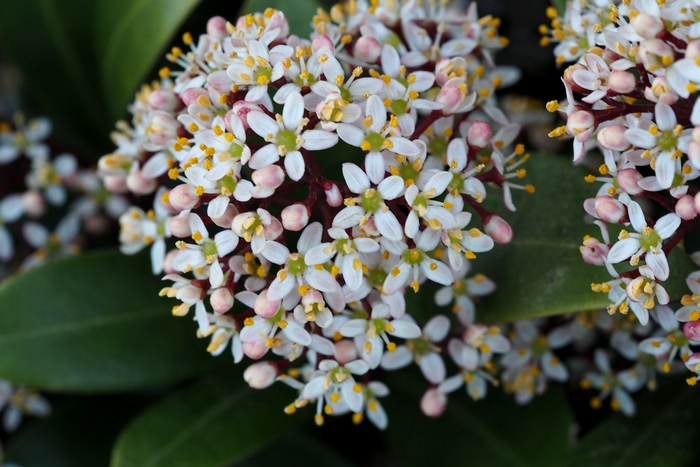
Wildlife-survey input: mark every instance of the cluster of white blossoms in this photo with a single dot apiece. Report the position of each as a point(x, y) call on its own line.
point(302, 187)
point(37, 185)
point(631, 95)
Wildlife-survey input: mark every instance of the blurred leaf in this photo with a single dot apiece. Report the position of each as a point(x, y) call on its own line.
point(94, 322)
point(560, 5)
point(79, 432)
point(215, 422)
point(296, 450)
point(494, 431)
point(662, 433)
point(131, 37)
point(299, 14)
point(541, 273)
point(51, 43)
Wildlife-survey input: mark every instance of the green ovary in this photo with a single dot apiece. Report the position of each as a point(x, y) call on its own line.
point(296, 264)
point(649, 239)
point(376, 141)
point(227, 183)
point(287, 139)
point(209, 249)
point(371, 201)
point(667, 140)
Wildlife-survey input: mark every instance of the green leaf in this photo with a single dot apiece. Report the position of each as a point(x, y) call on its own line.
point(131, 37)
point(541, 272)
point(560, 5)
point(94, 322)
point(494, 431)
point(296, 450)
point(79, 431)
point(662, 433)
point(215, 422)
point(299, 14)
point(51, 43)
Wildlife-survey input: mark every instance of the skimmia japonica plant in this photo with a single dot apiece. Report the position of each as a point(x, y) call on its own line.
point(311, 183)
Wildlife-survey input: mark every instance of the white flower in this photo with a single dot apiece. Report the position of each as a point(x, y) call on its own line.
point(619, 385)
point(11, 209)
point(287, 138)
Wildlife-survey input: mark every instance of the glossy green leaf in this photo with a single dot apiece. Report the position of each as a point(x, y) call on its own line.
point(94, 322)
point(541, 273)
point(662, 433)
point(131, 36)
point(79, 432)
point(299, 14)
point(560, 5)
point(297, 450)
point(50, 42)
point(494, 431)
point(215, 422)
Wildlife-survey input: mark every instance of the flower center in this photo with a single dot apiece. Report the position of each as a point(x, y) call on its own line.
point(437, 146)
point(399, 107)
point(370, 200)
point(376, 277)
point(287, 139)
point(236, 150)
point(667, 140)
point(419, 346)
point(649, 238)
point(413, 256)
point(296, 264)
point(263, 75)
point(227, 185)
point(457, 183)
point(376, 141)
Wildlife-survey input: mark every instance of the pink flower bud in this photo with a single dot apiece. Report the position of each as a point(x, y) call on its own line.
point(367, 48)
point(163, 99)
point(646, 25)
point(629, 179)
point(569, 80)
point(697, 202)
point(450, 96)
point(498, 229)
point(264, 307)
point(694, 153)
point(254, 349)
point(168, 262)
point(295, 217)
point(661, 91)
point(115, 183)
point(685, 208)
point(227, 217)
point(189, 96)
point(333, 196)
point(33, 203)
point(321, 40)
point(345, 351)
point(479, 134)
point(609, 209)
point(433, 403)
point(691, 329)
point(279, 21)
point(179, 225)
point(622, 82)
point(216, 27)
point(271, 176)
point(96, 224)
point(580, 125)
point(260, 375)
point(183, 197)
point(613, 137)
point(221, 300)
point(242, 109)
point(593, 251)
point(140, 185)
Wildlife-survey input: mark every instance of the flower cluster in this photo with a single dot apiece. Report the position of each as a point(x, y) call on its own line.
point(309, 184)
point(631, 101)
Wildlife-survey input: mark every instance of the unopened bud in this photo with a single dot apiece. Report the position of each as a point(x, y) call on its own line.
point(609, 209)
point(692, 50)
point(593, 251)
point(264, 307)
point(333, 196)
point(580, 125)
point(367, 48)
point(221, 300)
point(216, 27)
point(685, 208)
point(242, 109)
point(661, 91)
point(479, 134)
point(646, 25)
point(613, 137)
point(622, 82)
point(254, 349)
point(321, 40)
point(450, 96)
point(260, 375)
point(498, 229)
point(179, 225)
point(694, 153)
point(183, 197)
point(227, 217)
point(345, 351)
point(691, 329)
point(270, 176)
point(189, 96)
point(163, 99)
point(168, 262)
point(433, 403)
point(295, 217)
point(629, 179)
point(115, 183)
point(140, 185)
